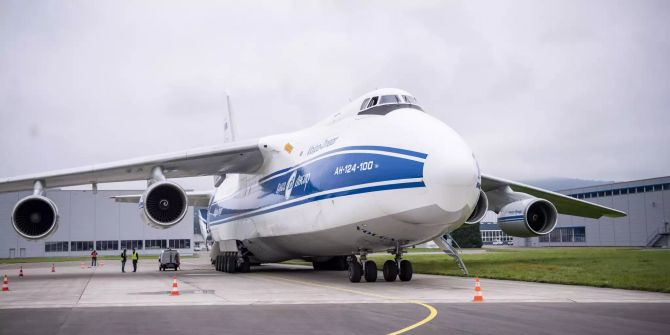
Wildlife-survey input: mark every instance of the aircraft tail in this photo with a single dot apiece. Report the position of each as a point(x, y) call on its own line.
point(228, 129)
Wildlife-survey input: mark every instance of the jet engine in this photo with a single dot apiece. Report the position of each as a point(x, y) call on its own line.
point(480, 209)
point(35, 217)
point(528, 217)
point(163, 205)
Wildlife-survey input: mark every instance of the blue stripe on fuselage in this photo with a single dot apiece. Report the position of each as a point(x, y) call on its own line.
point(359, 147)
point(347, 169)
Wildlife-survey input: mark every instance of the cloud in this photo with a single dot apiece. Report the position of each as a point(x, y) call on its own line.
point(552, 89)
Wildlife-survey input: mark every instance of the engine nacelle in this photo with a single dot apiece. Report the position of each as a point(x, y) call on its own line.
point(480, 209)
point(35, 217)
point(528, 218)
point(163, 205)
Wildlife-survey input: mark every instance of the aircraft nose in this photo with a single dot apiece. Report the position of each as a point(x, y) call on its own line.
point(451, 173)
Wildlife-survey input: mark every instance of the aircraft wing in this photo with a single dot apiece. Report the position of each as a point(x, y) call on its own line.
point(564, 204)
point(237, 157)
point(195, 198)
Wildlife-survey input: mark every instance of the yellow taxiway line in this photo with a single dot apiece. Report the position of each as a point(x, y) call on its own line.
point(431, 315)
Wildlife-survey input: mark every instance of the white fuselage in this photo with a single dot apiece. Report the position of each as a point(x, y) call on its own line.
point(351, 183)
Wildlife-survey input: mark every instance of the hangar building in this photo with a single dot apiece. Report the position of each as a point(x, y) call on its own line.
point(646, 201)
point(92, 220)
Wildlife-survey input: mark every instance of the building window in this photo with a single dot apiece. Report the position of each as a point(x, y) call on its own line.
point(155, 244)
point(640, 189)
point(81, 245)
point(55, 246)
point(107, 245)
point(648, 188)
point(666, 187)
point(131, 244)
point(608, 193)
point(565, 234)
point(624, 191)
point(631, 190)
point(616, 192)
point(180, 244)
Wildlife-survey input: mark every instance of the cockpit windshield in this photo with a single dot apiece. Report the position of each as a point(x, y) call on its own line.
point(382, 105)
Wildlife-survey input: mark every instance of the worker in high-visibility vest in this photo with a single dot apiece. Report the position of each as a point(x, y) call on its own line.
point(135, 257)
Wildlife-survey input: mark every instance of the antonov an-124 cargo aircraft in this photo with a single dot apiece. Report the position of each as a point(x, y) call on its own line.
point(381, 174)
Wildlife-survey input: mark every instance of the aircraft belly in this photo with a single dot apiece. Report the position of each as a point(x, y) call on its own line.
point(377, 234)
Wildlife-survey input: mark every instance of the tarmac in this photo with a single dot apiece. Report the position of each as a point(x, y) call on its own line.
point(292, 299)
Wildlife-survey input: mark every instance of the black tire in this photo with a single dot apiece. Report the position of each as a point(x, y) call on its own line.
point(340, 263)
point(370, 271)
point(217, 263)
point(355, 272)
point(390, 270)
point(245, 266)
point(405, 270)
point(232, 264)
point(226, 263)
point(318, 266)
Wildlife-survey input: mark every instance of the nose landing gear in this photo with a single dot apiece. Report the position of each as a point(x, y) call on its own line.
point(392, 269)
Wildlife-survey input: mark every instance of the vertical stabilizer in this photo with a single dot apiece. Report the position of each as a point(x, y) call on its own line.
point(228, 129)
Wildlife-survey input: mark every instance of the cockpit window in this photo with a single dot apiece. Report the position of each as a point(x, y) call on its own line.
point(389, 99)
point(387, 103)
point(409, 99)
point(365, 104)
point(373, 101)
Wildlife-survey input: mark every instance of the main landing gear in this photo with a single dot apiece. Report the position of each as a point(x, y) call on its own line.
point(392, 269)
point(231, 263)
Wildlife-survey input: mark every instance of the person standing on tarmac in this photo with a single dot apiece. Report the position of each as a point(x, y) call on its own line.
point(94, 258)
point(135, 257)
point(123, 260)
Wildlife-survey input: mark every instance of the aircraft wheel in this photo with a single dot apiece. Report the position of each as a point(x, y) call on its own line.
point(370, 271)
point(232, 264)
point(390, 270)
point(355, 272)
point(245, 266)
point(405, 270)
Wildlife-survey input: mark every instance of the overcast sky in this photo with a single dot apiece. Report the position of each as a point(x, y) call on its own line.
point(577, 89)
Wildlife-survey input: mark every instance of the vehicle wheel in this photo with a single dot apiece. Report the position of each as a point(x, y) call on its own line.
point(370, 271)
point(318, 266)
point(245, 266)
point(219, 263)
point(340, 263)
point(160, 268)
point(224, 263)
point(355, 271)
point(231, 264)
point(405, 270)
point(390, 270)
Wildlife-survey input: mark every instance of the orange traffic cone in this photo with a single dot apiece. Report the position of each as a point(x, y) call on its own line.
point(175, 289)
point(81, 265)
point(53, 267)
point(5, 284)
point(478, 291)
point(21, 272)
